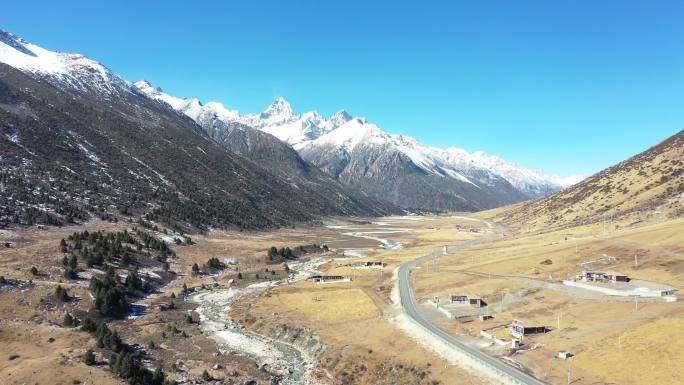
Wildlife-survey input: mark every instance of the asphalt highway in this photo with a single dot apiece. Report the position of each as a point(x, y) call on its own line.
point(408, 302)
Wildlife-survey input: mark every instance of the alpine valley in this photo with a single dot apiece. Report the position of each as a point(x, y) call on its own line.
point(153, 239)
point(65, 114)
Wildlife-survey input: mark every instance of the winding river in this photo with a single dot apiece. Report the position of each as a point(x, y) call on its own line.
point(286, 363)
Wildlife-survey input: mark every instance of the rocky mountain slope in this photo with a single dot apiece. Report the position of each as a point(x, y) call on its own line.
point(258, 146)
point(395, 167)
point(650, 183)
point(76, 139)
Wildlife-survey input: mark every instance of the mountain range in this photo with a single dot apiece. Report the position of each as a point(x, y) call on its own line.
point(77, 138)
point(388, 166)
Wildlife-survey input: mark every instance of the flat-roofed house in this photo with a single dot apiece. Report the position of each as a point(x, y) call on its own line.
point(476, 302)
point(459, 299)
point(519, 330)
point(593, 276)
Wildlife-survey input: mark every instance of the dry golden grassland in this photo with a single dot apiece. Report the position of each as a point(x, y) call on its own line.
point(330, 306)
point(336, 311)
point(37, 354)
point(652, 353)
point(354, 315)
point(648, 187)
point(352, 318)
point(588, 327)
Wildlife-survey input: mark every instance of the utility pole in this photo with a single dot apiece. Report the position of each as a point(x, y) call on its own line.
point(636, 260)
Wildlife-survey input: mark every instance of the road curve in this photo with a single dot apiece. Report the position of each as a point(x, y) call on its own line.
point(408, 303)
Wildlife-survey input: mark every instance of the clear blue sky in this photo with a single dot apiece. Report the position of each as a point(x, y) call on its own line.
point(566, 86)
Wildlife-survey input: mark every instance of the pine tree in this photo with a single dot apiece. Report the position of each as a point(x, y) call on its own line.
point(158, 376)
point(89, 357)
point(73, 262)
point(89, 325)
point(206, 376)
point(68, 320)
point(63, 246)
point(61, 294)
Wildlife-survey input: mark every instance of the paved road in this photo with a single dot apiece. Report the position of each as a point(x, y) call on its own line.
point(408, 302)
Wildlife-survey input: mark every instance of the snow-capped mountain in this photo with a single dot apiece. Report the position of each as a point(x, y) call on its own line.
point(309, 130)
point(190, 107)
point(346, 146)
point(64, 69)
point(354, 151)
point(77, 140)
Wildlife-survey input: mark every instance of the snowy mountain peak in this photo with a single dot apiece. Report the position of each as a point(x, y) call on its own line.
point(147, 87)
point(279, 108)
point(346, 133)
point(340, 117)
point(190, 107)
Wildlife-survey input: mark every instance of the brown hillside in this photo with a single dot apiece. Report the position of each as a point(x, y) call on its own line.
point(648, 184)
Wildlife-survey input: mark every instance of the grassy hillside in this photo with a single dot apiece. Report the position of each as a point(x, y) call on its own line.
point(648, 184)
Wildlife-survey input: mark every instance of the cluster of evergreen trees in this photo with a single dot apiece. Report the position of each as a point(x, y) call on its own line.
point(98, 246)
point(110, 299)
point(123, 361)
point(277, 255)
point(214, 263)
point(274, 254)
point(151, 242)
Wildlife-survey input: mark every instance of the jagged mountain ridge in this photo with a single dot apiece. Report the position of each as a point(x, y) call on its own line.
point(76, 138)
point(258, 146)
point(358, 153)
